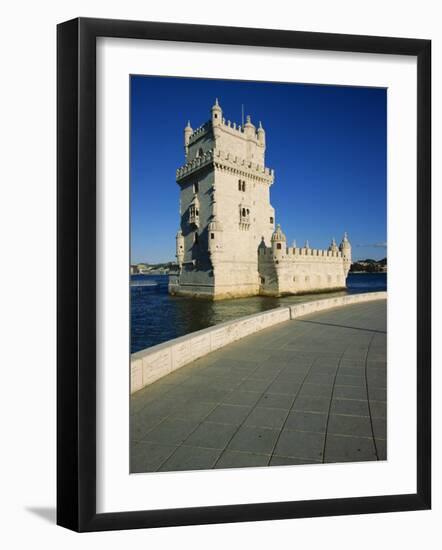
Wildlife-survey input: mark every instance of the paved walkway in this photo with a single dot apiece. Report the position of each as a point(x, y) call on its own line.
point(306, 391)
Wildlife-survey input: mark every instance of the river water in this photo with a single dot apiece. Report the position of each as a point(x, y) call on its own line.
point(157, 317)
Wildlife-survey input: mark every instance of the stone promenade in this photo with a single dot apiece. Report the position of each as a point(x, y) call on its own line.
point(305, 391)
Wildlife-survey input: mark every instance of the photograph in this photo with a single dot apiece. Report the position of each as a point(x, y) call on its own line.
point(258, 274)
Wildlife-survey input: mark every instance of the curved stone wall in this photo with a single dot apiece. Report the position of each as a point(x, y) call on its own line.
point(152, 363)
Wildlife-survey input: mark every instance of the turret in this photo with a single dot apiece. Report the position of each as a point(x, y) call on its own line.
point(188, 131)
point(261, 135)
point(217, 114)
point(345, 248)
point(333, 246)
point(249, 128)
point(279, 245)
point(180, 248)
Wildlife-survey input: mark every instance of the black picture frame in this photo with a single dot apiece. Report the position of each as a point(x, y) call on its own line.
point(76, 274)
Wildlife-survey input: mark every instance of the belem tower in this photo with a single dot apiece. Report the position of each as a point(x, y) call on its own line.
point(227, 245)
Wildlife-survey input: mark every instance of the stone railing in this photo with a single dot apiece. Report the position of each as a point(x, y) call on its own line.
point(152, 363)
point(298, 310)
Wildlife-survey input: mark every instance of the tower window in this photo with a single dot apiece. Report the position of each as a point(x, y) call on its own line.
point(271, 219)
point(243, 186)
point(195, 237)
point(239, 185)
point(212, 235)
point(195, 187)
point(278, 246)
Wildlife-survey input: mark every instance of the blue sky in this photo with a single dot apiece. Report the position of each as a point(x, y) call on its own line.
point(327, 145)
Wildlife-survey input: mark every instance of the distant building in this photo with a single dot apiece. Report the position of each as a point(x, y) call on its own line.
point(143, 268)
point(227, 245)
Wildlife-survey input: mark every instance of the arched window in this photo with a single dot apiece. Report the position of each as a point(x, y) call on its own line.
point(195, 187)
point(278, 246)
point(243, 185)
point(239, 185)
point(243, 212)
point(271, 219)
point(195, 237)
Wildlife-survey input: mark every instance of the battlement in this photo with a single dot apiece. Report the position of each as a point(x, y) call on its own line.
point(223, 159)
point(295, 252)
point(228, 126)
point(199, 132)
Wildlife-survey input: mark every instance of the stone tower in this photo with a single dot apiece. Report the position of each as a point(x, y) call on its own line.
point(225, 209)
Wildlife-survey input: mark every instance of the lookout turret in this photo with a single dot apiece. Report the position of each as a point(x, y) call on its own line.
point(345, 248)
point(333, 246)
point(217, 114)
point(278, 243)
point(261, 135)
point(188, 131)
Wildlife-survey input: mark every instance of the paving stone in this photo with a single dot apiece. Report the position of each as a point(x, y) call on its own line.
point(300, 444)
point(242, 398)
point(196, 411)
point(346, 380)
point(378, 409)
point(172, 431)
point(254, 440)
point(276, 401)
point(291, 461)
point(350, 392)
point(284, 387)
point(377, 394)
point(238, 459)
point(148, 457)
point(349, 425)
point(191, 458)
point(343, 448)
point(379, 427)
point(229, 414)
point(266, 417)
point(381, 446)
point(312, 404)
point(211, 435)
point(306, 421)
point(141, 424)
point(350, 406)
point(321, 379)
point(253, 384)
point(316, 390)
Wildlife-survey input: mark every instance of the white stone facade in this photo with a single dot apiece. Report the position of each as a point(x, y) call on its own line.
point(227, 245)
